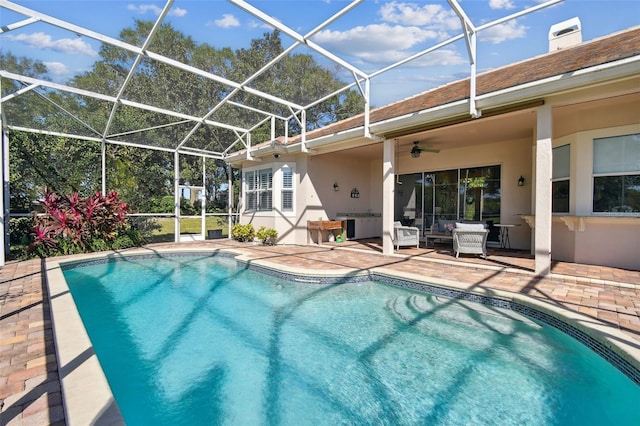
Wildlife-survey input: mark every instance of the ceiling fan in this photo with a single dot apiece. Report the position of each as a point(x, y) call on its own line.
point(417, 149)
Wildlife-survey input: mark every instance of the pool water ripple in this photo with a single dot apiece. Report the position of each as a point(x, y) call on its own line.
point(200, 340)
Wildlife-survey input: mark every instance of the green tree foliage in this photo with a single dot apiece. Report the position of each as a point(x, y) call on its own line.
point(39, 161)
point(145, 177)
point(296, 77)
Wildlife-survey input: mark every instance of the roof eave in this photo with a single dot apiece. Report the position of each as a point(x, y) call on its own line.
point(524, 96)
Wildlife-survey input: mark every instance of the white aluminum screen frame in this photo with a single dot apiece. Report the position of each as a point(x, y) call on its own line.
point(361, 80)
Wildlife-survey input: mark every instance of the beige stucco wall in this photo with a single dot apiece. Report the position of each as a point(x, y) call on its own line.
point(577, 120)
point(563, 241)
point(315, 197)
point(316, 174)
point(349, 172)
point(583, 236)
point(609, 241)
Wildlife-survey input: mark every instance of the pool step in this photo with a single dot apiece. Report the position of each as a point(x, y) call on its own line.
point(409, 309)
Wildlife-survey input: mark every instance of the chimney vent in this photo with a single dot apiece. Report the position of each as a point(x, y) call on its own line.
point(565, 34)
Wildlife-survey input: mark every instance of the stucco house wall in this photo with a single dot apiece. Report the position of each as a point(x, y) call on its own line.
point(581, 235)
point(571, 96)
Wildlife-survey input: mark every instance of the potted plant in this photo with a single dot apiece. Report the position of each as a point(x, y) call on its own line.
point(268, 236)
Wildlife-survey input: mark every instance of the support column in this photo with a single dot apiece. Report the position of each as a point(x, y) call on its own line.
point(203, 199)
point(388, 188)
point(4, 194)
point(230, 200)
point(176, 191)
point(103, 163)
point(544, 166)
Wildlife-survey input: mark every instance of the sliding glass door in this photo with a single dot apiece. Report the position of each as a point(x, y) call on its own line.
point(408, 204)
point(480, 194)
point(421, 199)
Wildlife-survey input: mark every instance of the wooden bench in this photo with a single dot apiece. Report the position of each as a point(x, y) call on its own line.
point(323, 225)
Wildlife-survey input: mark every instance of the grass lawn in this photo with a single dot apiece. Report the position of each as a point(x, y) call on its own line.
point(187, 226)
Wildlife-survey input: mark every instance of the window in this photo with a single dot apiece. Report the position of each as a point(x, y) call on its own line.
point(287, 189)
point(560, 179)
point(616, 174)
point(259, 190)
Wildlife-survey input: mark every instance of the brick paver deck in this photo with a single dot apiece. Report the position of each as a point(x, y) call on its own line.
point(29, 383)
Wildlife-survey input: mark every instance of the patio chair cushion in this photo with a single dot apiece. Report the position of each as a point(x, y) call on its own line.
point(442, 225)
point(471, 226)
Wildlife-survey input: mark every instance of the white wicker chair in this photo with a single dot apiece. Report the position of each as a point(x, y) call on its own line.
point(470, 238)
point(405, 235)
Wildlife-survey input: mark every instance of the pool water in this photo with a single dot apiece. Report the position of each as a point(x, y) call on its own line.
point(198, 340)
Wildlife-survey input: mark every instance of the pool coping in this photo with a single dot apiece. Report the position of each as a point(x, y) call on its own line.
point(87, 396)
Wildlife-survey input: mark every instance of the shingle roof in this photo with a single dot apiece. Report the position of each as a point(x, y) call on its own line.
point(611, 48)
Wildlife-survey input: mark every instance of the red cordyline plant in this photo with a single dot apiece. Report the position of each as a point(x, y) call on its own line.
point(73, 224)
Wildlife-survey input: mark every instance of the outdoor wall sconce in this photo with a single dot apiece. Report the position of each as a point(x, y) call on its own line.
point(336, 187)
point(355, 193)
point(521, 181)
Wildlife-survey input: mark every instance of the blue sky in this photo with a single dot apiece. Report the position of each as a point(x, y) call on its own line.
point(371, 36)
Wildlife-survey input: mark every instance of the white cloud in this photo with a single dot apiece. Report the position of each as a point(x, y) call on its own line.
point(156, 10)
point(65, 45)
point(57, 68)
point(429, 15)
point(373, 38)
point(440, 57)
point(253, 24)
point(499, 33)
point(501, 4)
point(179, 12)
point(382, 44)
point(406, 29)
point(227, 21)
point(144, 8)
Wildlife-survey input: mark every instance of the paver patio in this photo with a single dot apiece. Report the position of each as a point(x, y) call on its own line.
point(29, 374)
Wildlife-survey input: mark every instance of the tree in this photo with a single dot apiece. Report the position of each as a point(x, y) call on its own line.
point(144, 177)
point(298, 78)
point(39, 161)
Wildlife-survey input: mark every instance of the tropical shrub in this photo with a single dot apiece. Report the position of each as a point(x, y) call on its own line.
point(19, 230)
point(241, 232)
point(73, 224)
point(267, 235)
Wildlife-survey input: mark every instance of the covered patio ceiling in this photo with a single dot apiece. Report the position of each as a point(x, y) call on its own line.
point(199, 121)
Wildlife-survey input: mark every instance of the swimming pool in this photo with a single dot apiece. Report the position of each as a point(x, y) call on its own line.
point(201, 340)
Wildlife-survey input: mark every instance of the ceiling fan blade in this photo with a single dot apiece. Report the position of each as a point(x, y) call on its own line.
point(417, 149)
